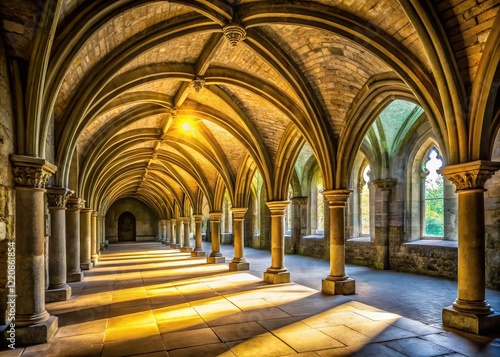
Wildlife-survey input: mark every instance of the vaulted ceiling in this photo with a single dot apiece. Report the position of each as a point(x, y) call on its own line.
point(173, 101)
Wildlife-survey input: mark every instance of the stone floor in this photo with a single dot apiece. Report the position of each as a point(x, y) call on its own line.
point(143, 299)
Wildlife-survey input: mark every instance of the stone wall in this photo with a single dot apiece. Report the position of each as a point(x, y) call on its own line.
point(146, 221)
point(7, 143)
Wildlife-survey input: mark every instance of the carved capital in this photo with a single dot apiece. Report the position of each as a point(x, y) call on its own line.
point(239, 212)
point(337, 198)
point(215, 216)
point(198, 218)
point(75, 203)
point(234, 33)
point(300, 201)
point(277, 208)
point(385, 184)
point(58, 196)
point(198, 83)
point(470, 175)
point(30, 171)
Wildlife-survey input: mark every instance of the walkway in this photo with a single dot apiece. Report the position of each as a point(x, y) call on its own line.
point(144, 299)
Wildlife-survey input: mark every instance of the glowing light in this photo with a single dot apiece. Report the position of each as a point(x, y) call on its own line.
point(186, 126)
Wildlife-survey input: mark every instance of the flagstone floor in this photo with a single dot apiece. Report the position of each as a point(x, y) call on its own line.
point(144, 299)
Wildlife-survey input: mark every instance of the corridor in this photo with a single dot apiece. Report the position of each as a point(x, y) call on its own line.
point(144, 299)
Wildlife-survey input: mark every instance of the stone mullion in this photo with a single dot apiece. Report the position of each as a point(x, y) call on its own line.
point(58, 289)
point(33, 322)
point(215, 222)
point(277, 272)
point(198, 250)
point(337, 283)
point(470, 311)
point(239, 262)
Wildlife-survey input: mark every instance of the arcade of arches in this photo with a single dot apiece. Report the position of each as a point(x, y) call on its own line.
point(360, 132)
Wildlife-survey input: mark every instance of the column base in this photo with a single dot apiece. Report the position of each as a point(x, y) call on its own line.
point(36, 334)
point(86, 266)
point(340, 287)
point(166, 243)
point(477, 324)
point(216, 260)
point(173, 245)
point(186, 249)
point(198, 253)
point(277, 277)
point(61, 294)
point(74, 277)
point(237, 266)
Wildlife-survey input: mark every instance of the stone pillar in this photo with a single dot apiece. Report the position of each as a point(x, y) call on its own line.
point(216, 256)
point(186, 246)
point(166, 231)
point(33, 323)
point(198, 250)
point(172, 233)
point(93, 237)
point(159, 237)
point(179, 233)
point(239, 262)
point(277, 273)
point(471, 312)
point(337, 283)
point(73, 270)
point(85, 239)
point(58, 290)
point(299, 221)
point(381, 240)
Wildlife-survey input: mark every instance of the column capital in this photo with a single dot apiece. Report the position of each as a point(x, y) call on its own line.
point(198, 218)
point(31, 172)
point(87, 210)
point(58, 196)
point(300, 200)
point(75, 203)
point(277, 208)
point(185, 219)
point(95, 213)
point(470, 175)
point(337, 198)
point(239, 212)
point(215, 216)
point(385, 184)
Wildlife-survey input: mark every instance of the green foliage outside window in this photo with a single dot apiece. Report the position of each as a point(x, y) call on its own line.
point(434, 194)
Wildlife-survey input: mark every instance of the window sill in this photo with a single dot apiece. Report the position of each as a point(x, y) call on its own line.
point(360, 239)
point(435, 243)
point(317, 236)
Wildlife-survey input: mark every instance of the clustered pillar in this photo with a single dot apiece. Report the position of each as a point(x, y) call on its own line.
point(215, 256)
point(58, 289)
point(277, 273)
point(33, 323)
point(337, 283)
point(470, 311)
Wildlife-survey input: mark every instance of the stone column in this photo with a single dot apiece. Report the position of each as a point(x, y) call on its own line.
point(166, 230)
point(470, 311)
point(381, 240)
point(337, 283)
point(179, 233)
point(186, 246)
point(73, 270)
point(33, 323)
point(162, 232)
point(216, 256)
point(159, 237)
point(277, 273)
point(85, 239)
point(239, 262)
point(172, 233)
point(198, 250)
point(299, 221)
point(93, 237)
point(58, 290)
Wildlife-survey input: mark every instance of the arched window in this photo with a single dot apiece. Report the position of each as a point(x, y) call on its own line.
point(320, 204)
point(364, 202)
point(433, 196)
point(289, 213)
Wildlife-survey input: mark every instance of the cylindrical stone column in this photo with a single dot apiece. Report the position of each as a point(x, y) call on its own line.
point(160, 231)
point(85, 239)
point(239, 262)
point(215, 256)
point(470, 311)
point(277, 272)
point(167, 231)
point(382, 223)
point(93, 237)
point(58, 289)
point(178, 233)
point(74, 272)
point(33, 322)
point(172, 233)
point(299, 221)
point(337, 283)
point(186, 246)
point(163, 227)
point(198, 250)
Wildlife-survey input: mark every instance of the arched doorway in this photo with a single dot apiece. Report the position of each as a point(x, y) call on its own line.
point(126, 227)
